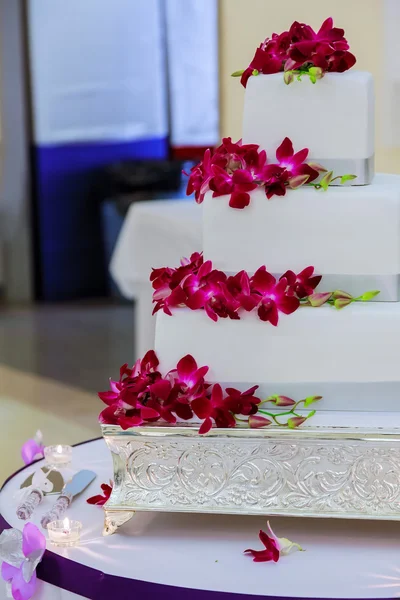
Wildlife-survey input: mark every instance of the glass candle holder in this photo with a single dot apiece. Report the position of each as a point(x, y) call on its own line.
point(58, 456)
point(64, 533)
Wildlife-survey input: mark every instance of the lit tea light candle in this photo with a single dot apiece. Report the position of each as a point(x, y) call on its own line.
point(58, 456)
point(64, 533)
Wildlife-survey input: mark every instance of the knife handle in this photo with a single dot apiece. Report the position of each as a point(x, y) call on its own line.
point(57, 511)
point(26, 508)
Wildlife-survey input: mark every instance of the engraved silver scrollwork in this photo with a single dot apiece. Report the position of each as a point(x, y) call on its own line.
point(314, 477)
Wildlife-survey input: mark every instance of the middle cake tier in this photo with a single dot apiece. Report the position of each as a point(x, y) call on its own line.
point(349, 356)
point(350, 234)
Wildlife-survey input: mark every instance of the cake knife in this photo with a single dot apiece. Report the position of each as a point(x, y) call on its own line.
point(78, 483)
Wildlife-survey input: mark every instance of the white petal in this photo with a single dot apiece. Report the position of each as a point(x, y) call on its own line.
point(286, 546)
point(11, 547)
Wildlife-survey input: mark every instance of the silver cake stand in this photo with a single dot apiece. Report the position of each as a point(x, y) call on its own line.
point(347, 473)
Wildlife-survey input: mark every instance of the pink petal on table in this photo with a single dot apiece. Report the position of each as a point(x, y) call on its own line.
point(32, 539)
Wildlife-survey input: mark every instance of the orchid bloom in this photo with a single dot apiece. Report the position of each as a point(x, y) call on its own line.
point(274, 547)
point(274, 296)
point(143, 395)
point(101, 499)
point(301, 47)
point(20, 553)
point(304, 283)
point(321, 49)
point(213, 408)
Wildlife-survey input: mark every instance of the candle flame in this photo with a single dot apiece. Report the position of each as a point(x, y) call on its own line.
point(66, 523)
point(59, 449)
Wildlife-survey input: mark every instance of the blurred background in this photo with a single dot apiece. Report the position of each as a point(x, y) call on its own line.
point(103, 104)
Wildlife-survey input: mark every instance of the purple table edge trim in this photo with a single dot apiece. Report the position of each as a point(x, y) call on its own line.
point(96, 585)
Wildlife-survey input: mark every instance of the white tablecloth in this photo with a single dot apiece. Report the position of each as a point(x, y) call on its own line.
point(343, 559)
point(154, 234)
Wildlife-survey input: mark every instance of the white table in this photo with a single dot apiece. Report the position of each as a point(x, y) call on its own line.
point(160, 556)
point(154, 234)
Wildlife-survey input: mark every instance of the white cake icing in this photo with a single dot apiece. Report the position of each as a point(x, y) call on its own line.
point(334, 118)
point(351, 235)
point(358, 343)
point(350, 357)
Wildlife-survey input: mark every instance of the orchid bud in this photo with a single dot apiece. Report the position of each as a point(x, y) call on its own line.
point(317, 167)
point(325, 181)
point(295, 422)
point(316, 72)
point(237, 73)
point(319, 298)
point(345, 178)
point(369, 295)
point(288, 77)
point(256, 422)
point(342, 302)
point(284, 401)
point(297, 181)
point(311, 400)
point(341, 294)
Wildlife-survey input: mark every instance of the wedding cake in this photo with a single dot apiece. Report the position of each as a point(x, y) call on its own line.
point(350, 233)
point(297, 198)
point(288, 319)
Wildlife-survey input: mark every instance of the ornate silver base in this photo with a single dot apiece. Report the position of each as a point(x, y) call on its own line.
point(310, 472)
point(113, 519)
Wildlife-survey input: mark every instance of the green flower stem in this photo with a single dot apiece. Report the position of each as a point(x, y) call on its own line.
point(286, 413)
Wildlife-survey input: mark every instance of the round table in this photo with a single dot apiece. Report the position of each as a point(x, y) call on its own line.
point(171, 556)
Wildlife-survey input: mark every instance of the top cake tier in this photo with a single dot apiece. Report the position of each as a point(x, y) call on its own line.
point(334, 118)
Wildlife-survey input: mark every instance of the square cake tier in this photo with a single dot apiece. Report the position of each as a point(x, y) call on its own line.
point(350, 357)
point(351, 235)
point(334, 118)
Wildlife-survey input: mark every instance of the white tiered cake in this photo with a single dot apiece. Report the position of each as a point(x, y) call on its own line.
point(298, 195)
point(352, 236)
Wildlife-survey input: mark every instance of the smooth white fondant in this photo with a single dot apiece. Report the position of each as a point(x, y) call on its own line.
point(334, 118)
point(314, 351)
point(352, 231)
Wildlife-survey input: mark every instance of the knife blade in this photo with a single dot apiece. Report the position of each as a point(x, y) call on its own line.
point(73, 488)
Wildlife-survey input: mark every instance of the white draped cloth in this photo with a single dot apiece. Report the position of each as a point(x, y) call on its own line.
point(154, 234)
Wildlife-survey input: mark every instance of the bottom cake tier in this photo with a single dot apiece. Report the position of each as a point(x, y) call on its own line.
point(343, 473)
point(349, 357)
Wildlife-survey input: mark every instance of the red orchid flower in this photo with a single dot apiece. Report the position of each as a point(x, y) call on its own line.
point(199, 177)
point(189, 377)
point(269, 58)
point(294, 163)
point(239, 287)
point(125, 416)
point(242, 403)
point(274, 296)
point(238, 185)
point(101, 499)
point(304, 283)
point(213, 408)
point(318, 48)
point(167, 398)
point(291, 170)
point(275, 178)
point(221, 303)
point(302, 46)
point(275, 547)
point(270, 552)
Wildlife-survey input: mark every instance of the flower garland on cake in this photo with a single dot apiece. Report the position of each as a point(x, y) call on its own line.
point(236, 169)
point(196, 285)
point(142, 395)
point(301, 51)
